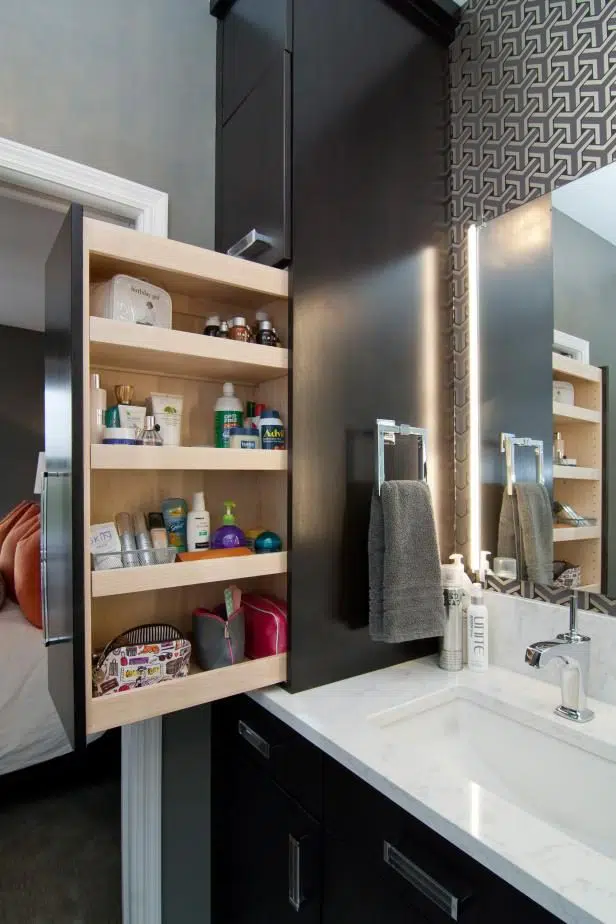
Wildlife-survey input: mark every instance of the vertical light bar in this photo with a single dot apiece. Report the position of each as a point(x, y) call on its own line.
point(431, 403)
point(474, 449)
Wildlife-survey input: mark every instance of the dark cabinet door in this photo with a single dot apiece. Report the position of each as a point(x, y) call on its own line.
point(253, 33)
point(62, 531)
point(253, 209)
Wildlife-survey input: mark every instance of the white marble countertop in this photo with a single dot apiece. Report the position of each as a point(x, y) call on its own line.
point(565, 876)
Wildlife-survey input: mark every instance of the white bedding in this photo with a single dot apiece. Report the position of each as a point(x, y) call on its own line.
point(30, 728)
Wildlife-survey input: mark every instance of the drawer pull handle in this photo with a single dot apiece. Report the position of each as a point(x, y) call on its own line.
point(254, 740)
point(296, 898)
point(424, 883)
point(251, 245)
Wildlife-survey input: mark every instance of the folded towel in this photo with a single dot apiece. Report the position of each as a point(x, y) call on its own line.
point(406, 595)
point(525, 532)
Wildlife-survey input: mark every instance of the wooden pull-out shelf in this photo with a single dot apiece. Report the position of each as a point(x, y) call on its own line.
point(115, 709)
point(576, 533)
point(569, 413)
point(134, 347)
point(186, 458)
point(576, 473)
point(184, 574)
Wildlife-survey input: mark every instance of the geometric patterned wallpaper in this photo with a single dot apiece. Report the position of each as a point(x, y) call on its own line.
point(532, 106)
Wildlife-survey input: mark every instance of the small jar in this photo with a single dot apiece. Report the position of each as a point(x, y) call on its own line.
point(239, 330)
point(244, 438)
point(212, 326)
point(266, 335)
point(224, 330)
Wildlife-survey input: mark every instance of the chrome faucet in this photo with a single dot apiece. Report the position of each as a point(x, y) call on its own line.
point(573, 651)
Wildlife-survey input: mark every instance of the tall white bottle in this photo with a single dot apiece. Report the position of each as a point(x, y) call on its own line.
point(477, 631)
point(198, 525)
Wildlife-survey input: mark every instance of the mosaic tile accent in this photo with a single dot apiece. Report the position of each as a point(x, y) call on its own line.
point(533, 106)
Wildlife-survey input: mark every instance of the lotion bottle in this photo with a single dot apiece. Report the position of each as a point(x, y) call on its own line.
point(198, 525)
point(477, 631)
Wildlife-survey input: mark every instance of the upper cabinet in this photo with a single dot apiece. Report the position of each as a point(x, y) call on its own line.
point(84, 607)
point(254, 117)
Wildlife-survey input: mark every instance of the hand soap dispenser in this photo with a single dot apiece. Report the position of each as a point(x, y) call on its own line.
point(228, 536)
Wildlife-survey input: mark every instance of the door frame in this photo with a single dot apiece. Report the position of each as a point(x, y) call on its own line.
point(49, 175)
point(54, 182)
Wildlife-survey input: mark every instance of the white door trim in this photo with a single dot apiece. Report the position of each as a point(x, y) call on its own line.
point(65, 179)
point(44, 174)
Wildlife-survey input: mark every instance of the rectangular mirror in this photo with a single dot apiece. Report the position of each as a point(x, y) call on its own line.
point(545, 299)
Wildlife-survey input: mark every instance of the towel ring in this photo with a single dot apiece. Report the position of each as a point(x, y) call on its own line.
point(386, 432)
point(508, 443)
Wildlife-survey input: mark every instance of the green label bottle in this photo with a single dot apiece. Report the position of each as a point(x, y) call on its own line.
point(223, 422)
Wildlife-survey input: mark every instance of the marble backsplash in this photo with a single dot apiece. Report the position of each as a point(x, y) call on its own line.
point(515, 623)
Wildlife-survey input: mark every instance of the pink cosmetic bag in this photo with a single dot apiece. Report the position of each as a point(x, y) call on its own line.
point(266, 625)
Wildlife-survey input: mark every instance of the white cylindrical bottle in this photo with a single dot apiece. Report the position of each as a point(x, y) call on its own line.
point(477, 631)
point(198, 525)
point(98, 406)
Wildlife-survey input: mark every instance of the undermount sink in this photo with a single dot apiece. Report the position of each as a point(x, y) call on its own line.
point(479, 743)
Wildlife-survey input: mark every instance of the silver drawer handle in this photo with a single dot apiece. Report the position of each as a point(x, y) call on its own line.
point(424, 883)
point(251, 245)
point(47, 638)
point(253, 739)
point(296, 898)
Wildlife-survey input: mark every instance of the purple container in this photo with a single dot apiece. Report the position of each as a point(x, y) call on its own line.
point(228, 536)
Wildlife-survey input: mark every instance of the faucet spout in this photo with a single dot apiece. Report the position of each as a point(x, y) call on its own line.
point(572, 651)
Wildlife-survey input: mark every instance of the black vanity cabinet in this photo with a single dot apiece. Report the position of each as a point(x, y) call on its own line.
point(253, 207)
point(296, 836)
point(266, 844)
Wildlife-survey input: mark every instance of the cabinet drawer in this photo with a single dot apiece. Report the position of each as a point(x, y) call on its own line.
point(254, 33)
point(412, 864)
point(252, 733)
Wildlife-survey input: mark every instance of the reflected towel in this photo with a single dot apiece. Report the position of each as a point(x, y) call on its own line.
point(406, 596)
point(525, 532)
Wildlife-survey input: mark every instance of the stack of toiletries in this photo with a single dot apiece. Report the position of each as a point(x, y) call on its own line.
point(256, 428)
point(157, 538)
point(262, 331)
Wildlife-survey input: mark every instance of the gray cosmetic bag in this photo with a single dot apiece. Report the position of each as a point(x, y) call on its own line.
point(218, 642)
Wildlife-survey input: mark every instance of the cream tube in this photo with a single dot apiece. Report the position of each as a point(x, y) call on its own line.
point(167, 411)
point(131, 415)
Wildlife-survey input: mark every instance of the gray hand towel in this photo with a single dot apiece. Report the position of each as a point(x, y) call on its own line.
point(406, 595)
point(525, 532)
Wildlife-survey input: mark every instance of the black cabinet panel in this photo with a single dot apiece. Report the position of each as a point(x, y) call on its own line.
point(369, 194)
point(266, 847)
point(294, 763)
point(403, 865)
point(62, 559)
point(253, 178)
point(254, 33)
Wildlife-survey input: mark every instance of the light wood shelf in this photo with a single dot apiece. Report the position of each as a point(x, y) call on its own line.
point(180, 267)
point(186, 458)
point(568, 413)
point(109, 711)
point(574, 533)
point(183, 574)
point(576, 473)
point(590, 588)
point(136, 348)
point(573, 369)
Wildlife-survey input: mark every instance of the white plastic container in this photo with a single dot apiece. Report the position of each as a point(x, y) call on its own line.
point(125, 298)
point(198, 525)
point(477, 631)
point(271, 430)
point(228, 413)
point(167, 413)
point(98, 406)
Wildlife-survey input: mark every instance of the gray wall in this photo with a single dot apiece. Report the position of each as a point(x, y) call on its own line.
point(585, 306)
point(127, 86)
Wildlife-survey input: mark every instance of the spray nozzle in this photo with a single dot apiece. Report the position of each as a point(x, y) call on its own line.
point(228, 517)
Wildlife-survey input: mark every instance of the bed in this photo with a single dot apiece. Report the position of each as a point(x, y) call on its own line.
point(30, 728)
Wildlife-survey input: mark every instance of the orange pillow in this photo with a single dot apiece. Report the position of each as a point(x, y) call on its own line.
point(12, 519)
point(28, 577)
point(26, 525)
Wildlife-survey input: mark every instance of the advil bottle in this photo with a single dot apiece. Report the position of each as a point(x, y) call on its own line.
point(271, 430)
